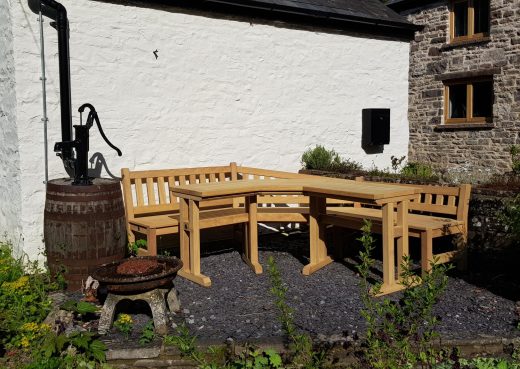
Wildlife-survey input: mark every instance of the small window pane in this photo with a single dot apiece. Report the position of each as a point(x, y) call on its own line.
point(481, 16)
point(458, 101)
point(483, 99)
point(460, 12)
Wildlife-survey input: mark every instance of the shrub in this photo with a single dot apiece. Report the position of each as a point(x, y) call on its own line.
point(510, 217)
point(417, 170)
point(514, 150)
point(320, 158)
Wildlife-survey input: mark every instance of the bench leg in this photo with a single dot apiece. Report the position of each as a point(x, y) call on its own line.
point(151, 242)
point(402, 241)
point(250, 255)
point(426, 251)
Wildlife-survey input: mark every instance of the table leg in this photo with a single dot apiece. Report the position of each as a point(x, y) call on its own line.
point(250, 255)
point(402, 240)
point(318, 248)
point(389, 282)
point(193, 232)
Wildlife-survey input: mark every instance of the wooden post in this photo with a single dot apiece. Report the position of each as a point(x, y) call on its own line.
point(318, 248)
point(184, 235)
point(251, 244)
point(402, 241)
point(388, 247)
point(194, 229)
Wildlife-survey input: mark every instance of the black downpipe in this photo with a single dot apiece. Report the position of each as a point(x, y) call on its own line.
point(58, 13)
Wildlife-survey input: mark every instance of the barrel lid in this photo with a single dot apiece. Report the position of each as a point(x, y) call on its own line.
point(98, 184)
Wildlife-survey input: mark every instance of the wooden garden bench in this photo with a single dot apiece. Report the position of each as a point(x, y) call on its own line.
point(438, 211)
point(150, 210)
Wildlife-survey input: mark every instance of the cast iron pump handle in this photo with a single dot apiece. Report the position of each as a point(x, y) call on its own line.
point(92, 115)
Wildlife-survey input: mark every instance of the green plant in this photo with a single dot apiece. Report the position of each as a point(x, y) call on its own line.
point(148, 333)
point(510, 217)
point(320, 158)
point(514, 150)
point(24, 297)
point(81, 308)
point(399, 334)
point(417, 170)
point(124, 324)
point(396, 162)
point(301, 348)
point(133, 247)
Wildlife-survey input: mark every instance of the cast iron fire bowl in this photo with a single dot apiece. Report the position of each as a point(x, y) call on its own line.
point(153, 276)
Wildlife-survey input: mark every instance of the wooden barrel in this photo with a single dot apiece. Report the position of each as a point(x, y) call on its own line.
point(84, 227)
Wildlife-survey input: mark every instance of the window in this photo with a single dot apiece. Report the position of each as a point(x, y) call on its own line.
point(469, 101)
point(469, 19)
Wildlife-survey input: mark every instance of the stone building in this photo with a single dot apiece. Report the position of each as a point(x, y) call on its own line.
point(464, 95)
point(251, 81)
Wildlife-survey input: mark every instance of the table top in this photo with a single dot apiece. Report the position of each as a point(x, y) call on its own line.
point(326, 186)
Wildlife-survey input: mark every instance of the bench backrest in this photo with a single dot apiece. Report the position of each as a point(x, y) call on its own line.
point(450, 201)
point(147, 192)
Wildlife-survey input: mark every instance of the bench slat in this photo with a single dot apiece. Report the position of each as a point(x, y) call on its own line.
point(150, 193)
point(162, 191)
point(139, 191)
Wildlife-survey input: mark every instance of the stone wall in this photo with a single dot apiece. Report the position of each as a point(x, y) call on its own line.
point(469, 153)
point(10, 191)
point(222, 89)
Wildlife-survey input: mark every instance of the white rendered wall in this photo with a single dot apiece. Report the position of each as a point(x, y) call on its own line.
point(220, 91)
point(10, 188)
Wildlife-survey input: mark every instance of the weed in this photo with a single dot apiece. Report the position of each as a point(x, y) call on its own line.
point(399, 334)
point(133, 247)
point(418, 170)
point(514, 150)
point(510, 217)
point(148, 333)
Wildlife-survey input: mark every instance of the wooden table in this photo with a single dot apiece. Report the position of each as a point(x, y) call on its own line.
point(388, 196)
point(318, 190)
point(190, 197)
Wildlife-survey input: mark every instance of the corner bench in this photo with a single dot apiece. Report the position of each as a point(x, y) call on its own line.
point(438, 211)
point(151, 211)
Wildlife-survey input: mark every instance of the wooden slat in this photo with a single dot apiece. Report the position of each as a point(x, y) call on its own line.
point(222, 177)
point(452, 200)
point(182, 181)
point(427, 198)
point(149, 191)
point(162, 192)
point(202, 178)
point(192, 179)
point(139, 192)
point(212, 177)
point(175, 172)
point(439, 200)
point(171, 182)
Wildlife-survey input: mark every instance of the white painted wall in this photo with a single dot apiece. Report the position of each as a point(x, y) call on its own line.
point(220, 91)
point(10, 189)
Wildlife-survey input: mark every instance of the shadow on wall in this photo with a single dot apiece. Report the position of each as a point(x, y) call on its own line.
point(97, 163)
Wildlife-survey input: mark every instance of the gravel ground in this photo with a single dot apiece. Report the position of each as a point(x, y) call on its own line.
point(239, 304)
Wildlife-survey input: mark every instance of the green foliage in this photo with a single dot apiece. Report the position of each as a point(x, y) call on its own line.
point(133, 247)
point(23, 295)
point(514, 150)
point(302, 353)
point(399, 334)
point(148, 333)
point(456, 362)
point(321, 158)
point(510, 217)
point(124, 324)
point(79, 307)
point(418, 170)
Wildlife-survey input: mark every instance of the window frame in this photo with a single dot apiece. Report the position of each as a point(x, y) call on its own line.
point(469, 100)
point(471, 23)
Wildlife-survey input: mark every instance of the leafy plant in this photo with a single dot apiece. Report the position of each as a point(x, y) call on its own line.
point(133, 247)
point(124, 324)
point(514, 150)
point(81, 308)
point(23, 295)
point(302, 353)
point(510, 217)
point(148, 333)
point(399, 334)
point(320, 158)
point(418, 170)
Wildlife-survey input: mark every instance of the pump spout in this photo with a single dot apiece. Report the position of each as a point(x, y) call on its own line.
point(58, 13)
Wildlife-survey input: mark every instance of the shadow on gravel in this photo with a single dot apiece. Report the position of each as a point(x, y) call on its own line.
point(497, 271)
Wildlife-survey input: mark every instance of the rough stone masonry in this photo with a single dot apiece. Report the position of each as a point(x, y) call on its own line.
point(469, 153)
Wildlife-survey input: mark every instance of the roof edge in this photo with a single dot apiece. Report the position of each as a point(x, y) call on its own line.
point(402, 5)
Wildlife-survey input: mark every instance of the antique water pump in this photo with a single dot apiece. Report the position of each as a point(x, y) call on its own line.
point(73, 152)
